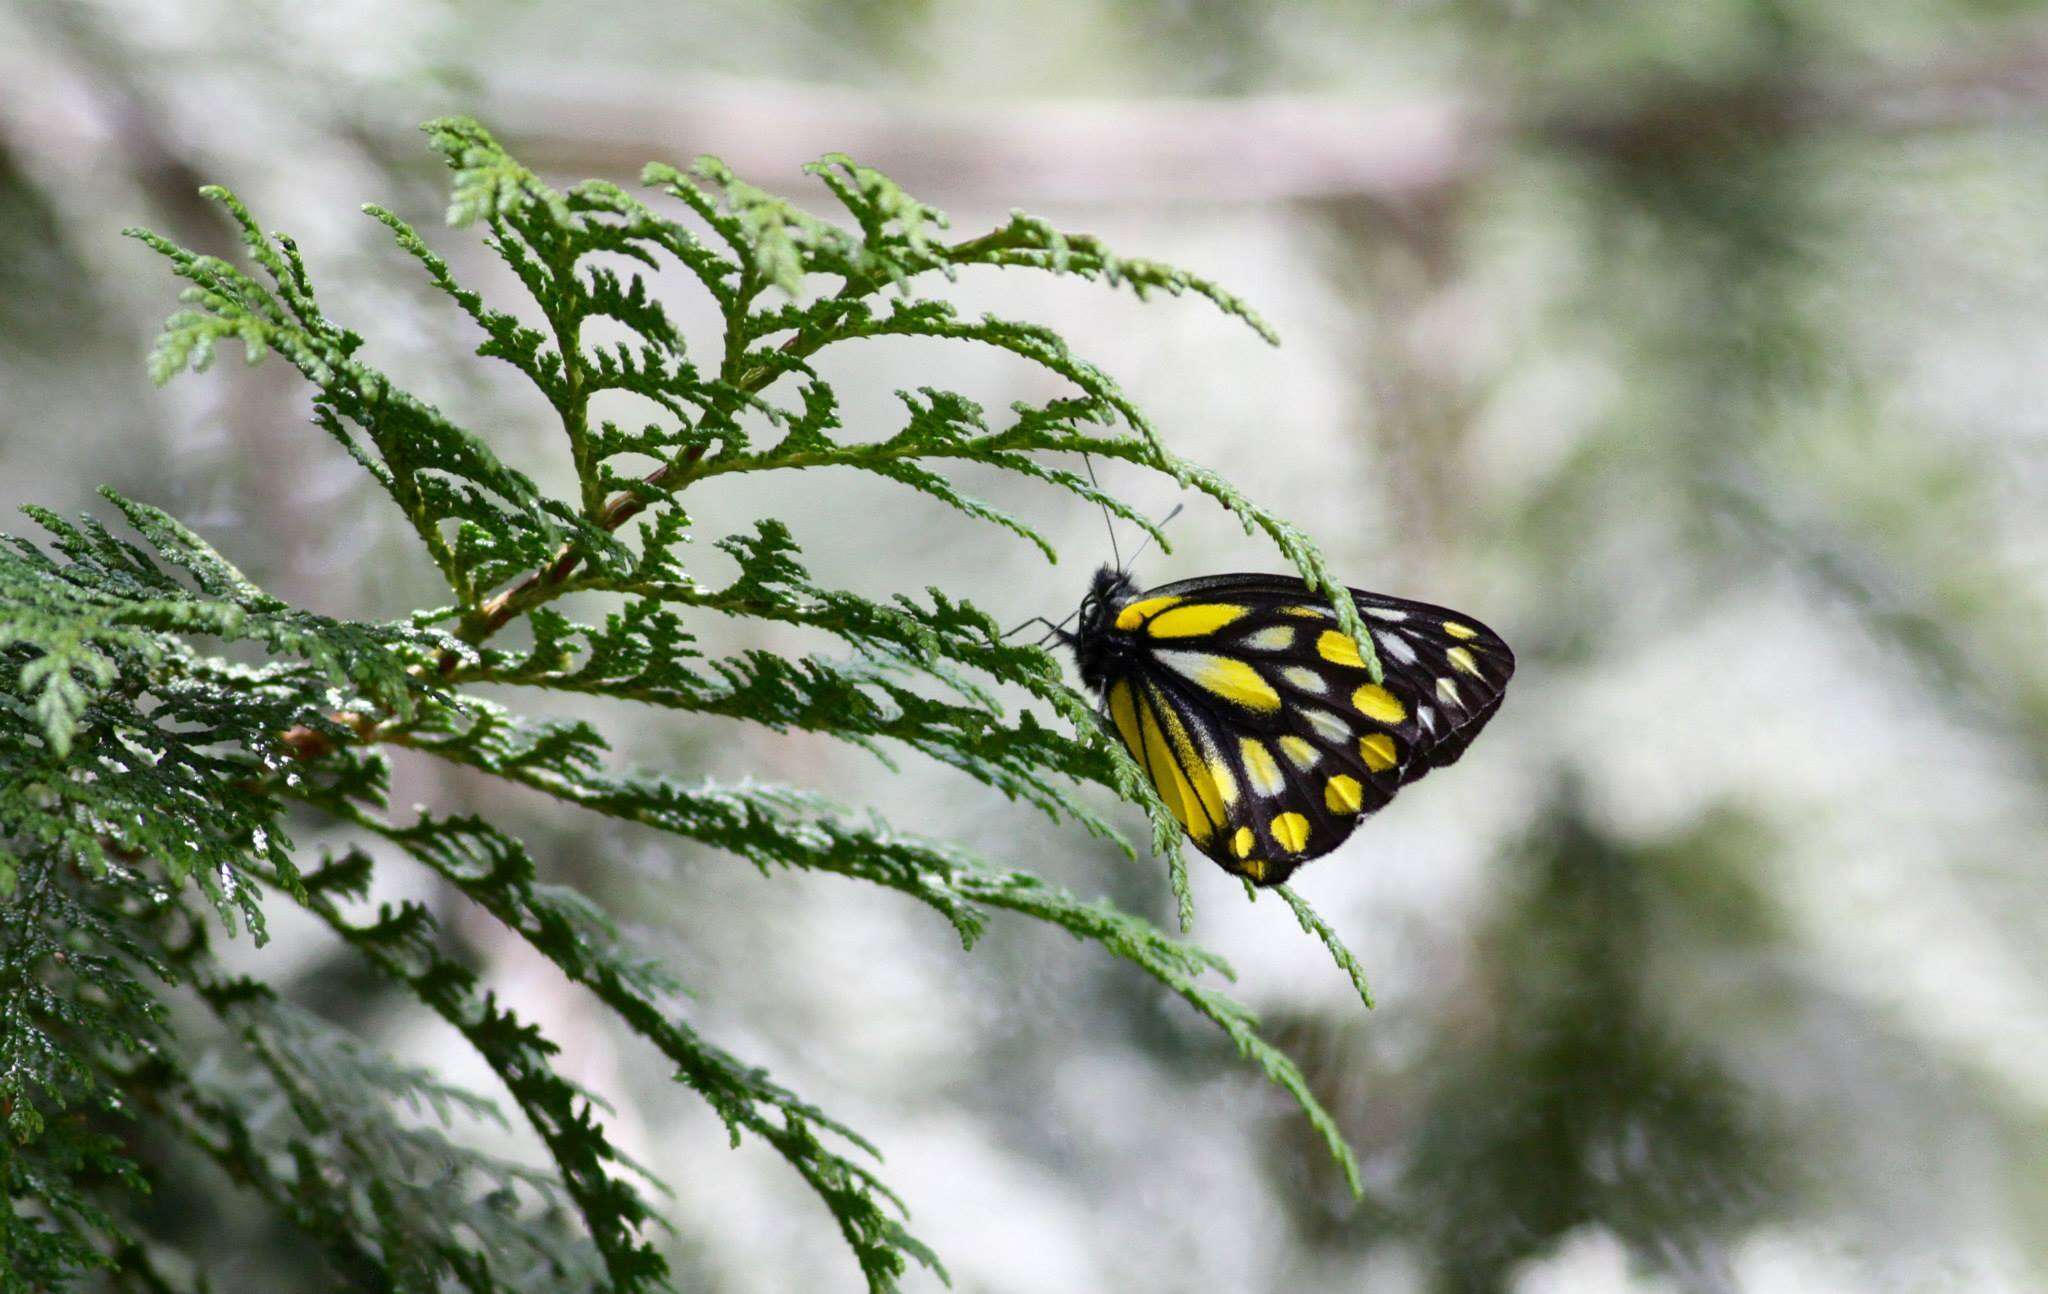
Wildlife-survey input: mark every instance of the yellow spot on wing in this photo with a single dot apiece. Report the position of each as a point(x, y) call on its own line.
point(1126, 716)
point(1197, 771)
point(1255, 868)
point(1463, 660)
point(1291, 830)
point(1343, 794)
point(1226, 677)
point(1299, 753)
point(1158, 762)
point(1338, 648)
point(1375, 702)
point(1192, 621)
point(1456, 630)
point(1379, 752)
point(1260, 768)
point(1226, 781)
point(1241, 843)
point(1179, 797)
point(1134, 615)
point(1306, 613)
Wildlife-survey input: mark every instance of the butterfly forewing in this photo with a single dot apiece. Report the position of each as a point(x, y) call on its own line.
point(1256, 719)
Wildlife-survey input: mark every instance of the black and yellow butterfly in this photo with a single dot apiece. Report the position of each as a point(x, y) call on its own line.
point(1255, 717)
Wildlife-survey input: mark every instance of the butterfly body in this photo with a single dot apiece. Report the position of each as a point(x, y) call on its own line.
point(1256, 717)
point(1099, 649)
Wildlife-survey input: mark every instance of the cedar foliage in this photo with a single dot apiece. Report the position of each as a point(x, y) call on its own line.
point(165, 725)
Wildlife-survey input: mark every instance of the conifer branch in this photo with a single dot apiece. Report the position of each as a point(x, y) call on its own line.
point(141, 763)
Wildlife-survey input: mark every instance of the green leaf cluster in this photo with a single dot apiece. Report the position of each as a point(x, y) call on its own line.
point(164, 722)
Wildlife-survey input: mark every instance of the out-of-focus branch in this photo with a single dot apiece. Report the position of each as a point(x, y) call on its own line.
point(1257, 149)
point(1991, 84)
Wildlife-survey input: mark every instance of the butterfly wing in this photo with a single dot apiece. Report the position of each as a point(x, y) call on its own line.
point(1256, 718)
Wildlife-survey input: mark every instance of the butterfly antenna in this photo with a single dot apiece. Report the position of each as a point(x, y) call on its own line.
point(1107, 524)
point(1055, 630)
point(1051, 628)
point(1157, 526)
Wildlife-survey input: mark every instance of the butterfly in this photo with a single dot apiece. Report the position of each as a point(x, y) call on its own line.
point(1255, 717)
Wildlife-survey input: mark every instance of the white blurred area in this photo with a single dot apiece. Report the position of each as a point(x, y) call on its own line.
point(1697, 353)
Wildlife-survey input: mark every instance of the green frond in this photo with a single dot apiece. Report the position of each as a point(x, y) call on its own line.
point(400, 945)
point(77, 999)
point(343, 1162)
point(1313, 923)
point(1031, 243)
point(160, 713)
point(493, 870)
point(489, 184)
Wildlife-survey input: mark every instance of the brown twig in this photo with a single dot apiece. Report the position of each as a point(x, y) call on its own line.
point(539, 585)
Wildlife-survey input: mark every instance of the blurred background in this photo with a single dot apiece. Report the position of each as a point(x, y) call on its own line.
point(1696, 347)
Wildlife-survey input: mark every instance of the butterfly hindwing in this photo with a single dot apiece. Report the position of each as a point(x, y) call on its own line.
point(1178, 755)
point(1257, 721)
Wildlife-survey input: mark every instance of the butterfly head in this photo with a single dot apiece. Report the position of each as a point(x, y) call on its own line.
point(1094, 642)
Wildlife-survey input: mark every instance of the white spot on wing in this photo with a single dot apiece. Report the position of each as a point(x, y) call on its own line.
point(1328, 726)
point(1387, 614)
point(1261, 769)
point(1299, 753)
point(1305, 679)
point(1272, 638)
point(1447, 688)
point(1397, 647)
